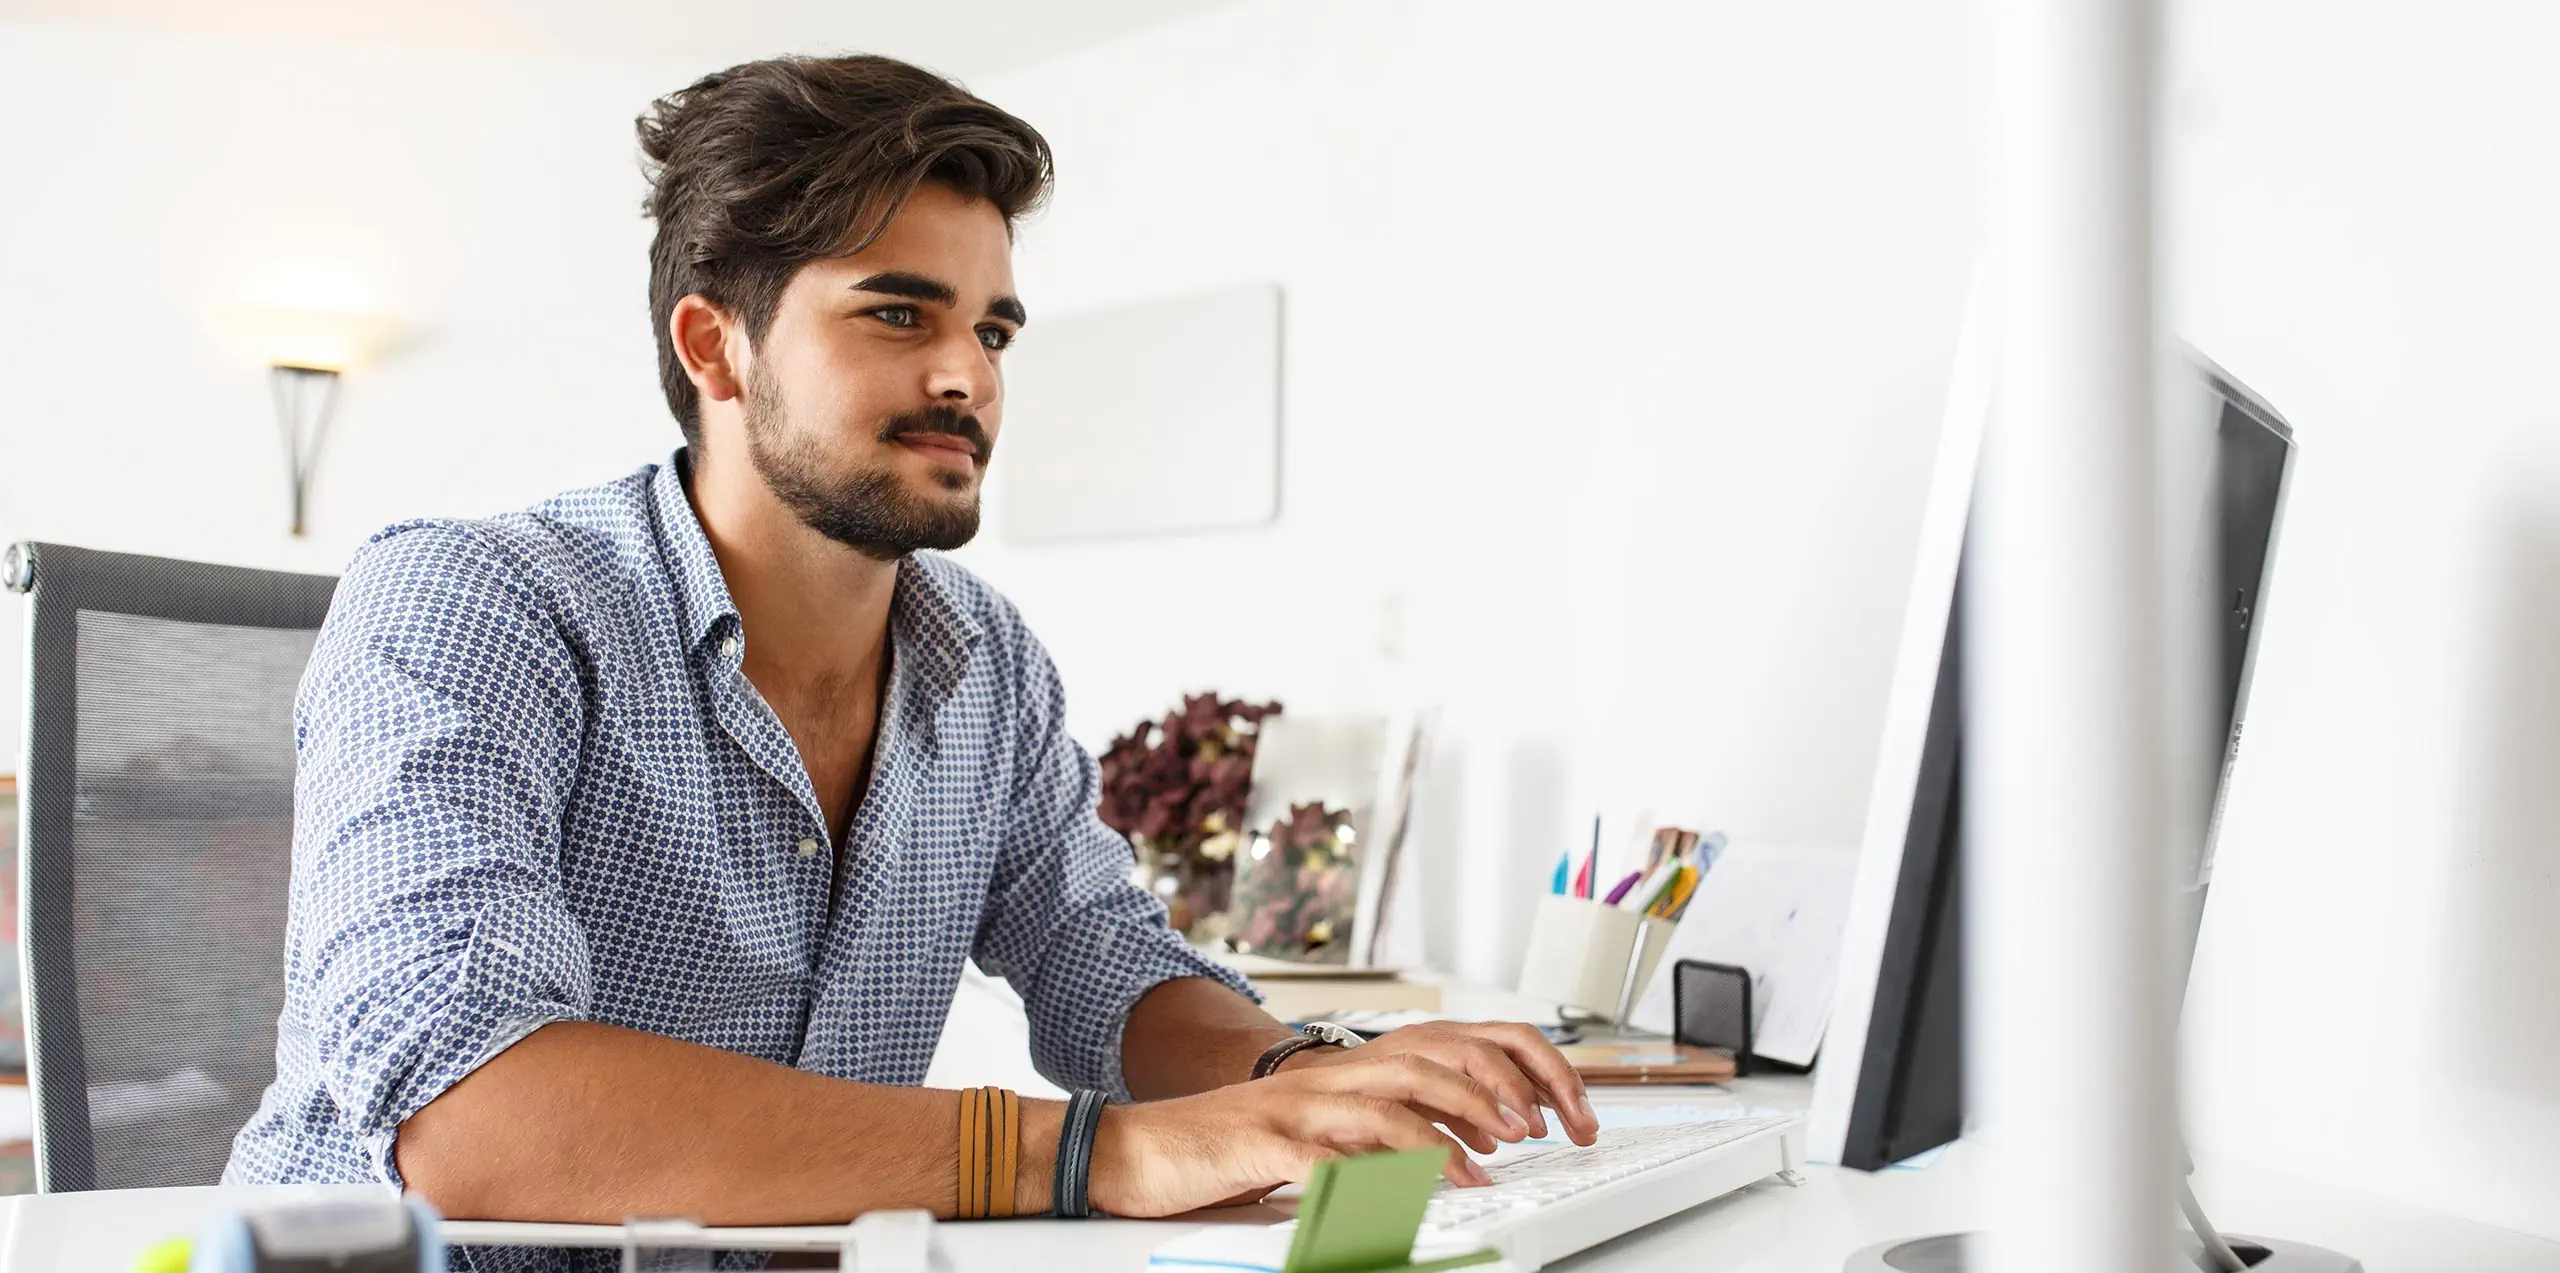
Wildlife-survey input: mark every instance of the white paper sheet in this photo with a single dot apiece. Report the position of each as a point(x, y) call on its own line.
point(1778, 912)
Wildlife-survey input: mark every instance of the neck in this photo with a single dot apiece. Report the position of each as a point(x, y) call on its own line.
point(812, 608)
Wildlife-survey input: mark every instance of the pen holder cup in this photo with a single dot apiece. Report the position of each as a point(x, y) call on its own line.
point(1592, 957)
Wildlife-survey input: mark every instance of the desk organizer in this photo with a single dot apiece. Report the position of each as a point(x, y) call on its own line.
point(1592, 957)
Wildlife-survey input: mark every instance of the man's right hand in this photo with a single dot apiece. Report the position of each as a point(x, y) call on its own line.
point(1238, 1143)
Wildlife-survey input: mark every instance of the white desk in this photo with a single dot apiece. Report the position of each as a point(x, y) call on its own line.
point(1767, 1228)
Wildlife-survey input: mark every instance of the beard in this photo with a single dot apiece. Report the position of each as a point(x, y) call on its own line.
point(868, 510)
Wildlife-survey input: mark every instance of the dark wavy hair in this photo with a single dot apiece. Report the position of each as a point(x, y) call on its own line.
point(760, 169)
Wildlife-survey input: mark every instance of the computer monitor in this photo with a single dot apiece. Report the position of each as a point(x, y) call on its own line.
point(1889, 1082)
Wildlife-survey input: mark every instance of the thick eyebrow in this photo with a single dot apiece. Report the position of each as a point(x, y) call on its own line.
point(914, 287)
point(918, 287)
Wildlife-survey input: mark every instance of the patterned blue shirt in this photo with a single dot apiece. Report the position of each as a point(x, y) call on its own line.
point(534, 785)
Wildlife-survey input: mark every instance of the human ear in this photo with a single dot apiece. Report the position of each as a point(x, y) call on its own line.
point(701, 334)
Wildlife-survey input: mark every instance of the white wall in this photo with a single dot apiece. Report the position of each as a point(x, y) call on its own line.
point(1614, 351)
point(489, 201)
point(2363, 211)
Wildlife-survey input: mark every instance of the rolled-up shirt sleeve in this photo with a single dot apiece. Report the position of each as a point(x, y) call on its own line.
point(436, 729)
point(1063, 922)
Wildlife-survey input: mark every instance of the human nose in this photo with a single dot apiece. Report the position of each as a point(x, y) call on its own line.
point(962, 374)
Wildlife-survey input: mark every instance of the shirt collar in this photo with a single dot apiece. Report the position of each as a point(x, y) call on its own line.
point(934, 629)
point(700, 589)
point(937, 630)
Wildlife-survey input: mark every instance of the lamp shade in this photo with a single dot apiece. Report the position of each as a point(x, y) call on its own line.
point(313, 339)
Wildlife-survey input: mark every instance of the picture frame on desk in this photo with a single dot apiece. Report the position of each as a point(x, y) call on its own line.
point(1355, 773)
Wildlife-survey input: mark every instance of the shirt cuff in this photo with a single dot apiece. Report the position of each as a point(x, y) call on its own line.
point(1094, 979)
point(524, 967)
point(380, 1146)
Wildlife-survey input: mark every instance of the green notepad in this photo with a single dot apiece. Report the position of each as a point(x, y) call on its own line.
point(1360, 1215)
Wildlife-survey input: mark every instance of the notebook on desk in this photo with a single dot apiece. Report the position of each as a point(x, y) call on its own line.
point(1617, 1062)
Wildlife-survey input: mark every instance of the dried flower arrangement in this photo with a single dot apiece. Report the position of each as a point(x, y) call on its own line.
point(1295, 894)
point(1176, 787)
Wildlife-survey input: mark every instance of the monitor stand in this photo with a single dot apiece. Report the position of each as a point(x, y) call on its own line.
point(1952, 1253)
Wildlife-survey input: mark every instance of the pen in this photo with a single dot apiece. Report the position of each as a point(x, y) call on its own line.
point(1619, 894)
point(1591, 865)
point(1563, 871)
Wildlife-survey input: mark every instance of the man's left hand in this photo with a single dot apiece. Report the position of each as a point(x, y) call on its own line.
point(1524, 1071)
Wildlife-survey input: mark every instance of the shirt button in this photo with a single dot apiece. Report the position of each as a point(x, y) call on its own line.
point(808, 847)
point(729, 646)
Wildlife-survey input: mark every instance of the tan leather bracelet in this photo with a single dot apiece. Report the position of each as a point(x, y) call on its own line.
point(1007, 1137)
point(967, 1206)
point(990, 1153)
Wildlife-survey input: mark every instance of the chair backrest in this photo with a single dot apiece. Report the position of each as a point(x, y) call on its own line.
point(156, 796)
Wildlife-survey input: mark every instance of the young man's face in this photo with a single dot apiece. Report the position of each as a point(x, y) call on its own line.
point(873, 402)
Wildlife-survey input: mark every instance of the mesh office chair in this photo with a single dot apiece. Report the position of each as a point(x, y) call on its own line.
point(157, 798)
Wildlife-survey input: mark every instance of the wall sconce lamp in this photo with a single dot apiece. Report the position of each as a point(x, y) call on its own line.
point(306, 351)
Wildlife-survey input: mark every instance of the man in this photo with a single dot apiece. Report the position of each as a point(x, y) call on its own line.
point(641, 837)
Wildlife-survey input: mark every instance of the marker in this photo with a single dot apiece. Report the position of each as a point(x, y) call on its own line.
point(1619, 894)
point(1680, 899)
point(1674, 894)
point(1662, 891)
point(1636, 897)
point(1563, 871)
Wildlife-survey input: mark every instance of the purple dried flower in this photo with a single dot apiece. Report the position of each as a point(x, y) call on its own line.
point(1177, 781)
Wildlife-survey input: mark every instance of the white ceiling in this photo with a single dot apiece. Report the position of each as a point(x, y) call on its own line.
point(956, 37)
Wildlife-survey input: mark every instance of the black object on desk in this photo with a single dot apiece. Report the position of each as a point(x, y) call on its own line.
point(1711, 1008)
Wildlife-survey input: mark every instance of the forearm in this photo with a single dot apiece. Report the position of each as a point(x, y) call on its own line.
point(592, 1123)
point(1190, 1035)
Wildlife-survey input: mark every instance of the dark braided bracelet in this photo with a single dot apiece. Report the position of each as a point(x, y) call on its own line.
point(1073, 1175)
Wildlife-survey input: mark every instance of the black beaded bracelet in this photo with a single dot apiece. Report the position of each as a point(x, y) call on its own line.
point(1073, 1175)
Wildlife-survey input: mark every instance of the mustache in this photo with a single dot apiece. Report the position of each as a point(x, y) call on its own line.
point(940, 419)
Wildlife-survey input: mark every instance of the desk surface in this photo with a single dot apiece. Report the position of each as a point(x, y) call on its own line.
point(1768, 1228)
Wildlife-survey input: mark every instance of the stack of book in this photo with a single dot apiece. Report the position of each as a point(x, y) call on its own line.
point(1295, 991)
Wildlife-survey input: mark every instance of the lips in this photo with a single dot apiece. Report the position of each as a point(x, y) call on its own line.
point(957, 451)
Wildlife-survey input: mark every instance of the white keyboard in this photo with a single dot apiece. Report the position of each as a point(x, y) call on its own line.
point(1546, 1204)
